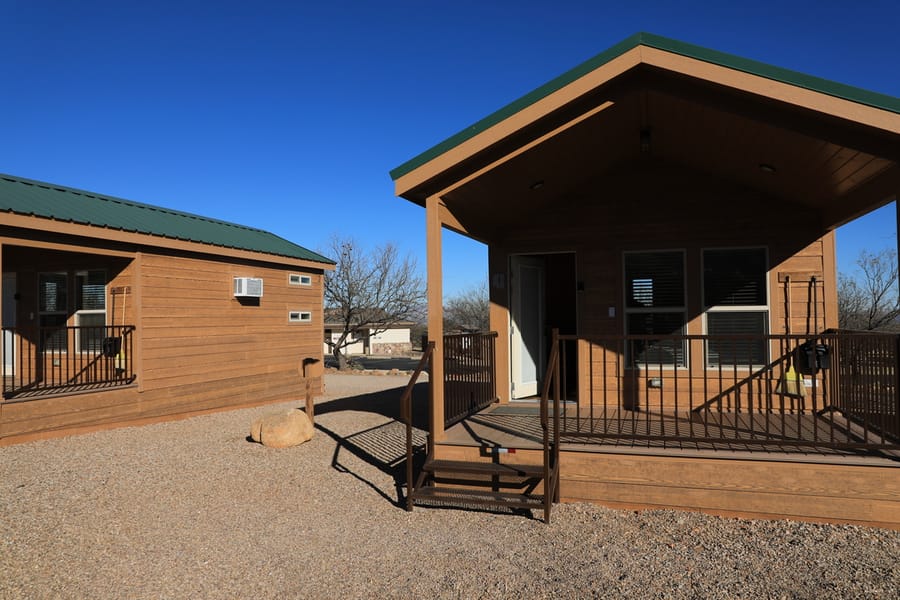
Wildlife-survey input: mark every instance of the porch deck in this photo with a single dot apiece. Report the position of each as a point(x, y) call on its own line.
point(734, 476)
point(810, 437)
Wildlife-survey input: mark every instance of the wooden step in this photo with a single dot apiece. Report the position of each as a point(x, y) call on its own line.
point(483, 468)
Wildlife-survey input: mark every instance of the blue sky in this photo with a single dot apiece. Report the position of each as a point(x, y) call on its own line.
point(287, 116)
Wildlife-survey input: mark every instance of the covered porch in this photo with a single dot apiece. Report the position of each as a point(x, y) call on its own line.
point(669, 211)
point(67, 324)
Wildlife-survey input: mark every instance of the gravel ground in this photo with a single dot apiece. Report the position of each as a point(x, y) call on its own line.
point(191, 509)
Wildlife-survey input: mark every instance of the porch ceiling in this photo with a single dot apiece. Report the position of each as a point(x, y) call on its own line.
point(825, 157)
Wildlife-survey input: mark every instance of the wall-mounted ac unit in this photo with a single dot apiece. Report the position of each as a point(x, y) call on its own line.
point(248, 287)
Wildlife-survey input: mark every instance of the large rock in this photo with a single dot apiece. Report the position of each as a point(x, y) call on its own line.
point(282, 430)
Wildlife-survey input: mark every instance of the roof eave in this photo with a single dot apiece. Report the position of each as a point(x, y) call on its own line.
point(642, 48)
point(138, 238)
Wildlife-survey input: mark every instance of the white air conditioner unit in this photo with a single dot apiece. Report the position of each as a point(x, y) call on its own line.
point(248, 287)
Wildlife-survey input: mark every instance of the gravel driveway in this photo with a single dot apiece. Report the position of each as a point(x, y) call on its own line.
point(191, 509)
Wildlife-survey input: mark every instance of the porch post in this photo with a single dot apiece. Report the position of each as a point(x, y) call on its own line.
point(2, 322)
point(435, 314)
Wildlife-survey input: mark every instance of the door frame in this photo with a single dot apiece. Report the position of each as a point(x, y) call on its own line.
point(520, 330)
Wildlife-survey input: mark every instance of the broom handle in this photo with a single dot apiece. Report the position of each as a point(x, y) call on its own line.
point(787, 311)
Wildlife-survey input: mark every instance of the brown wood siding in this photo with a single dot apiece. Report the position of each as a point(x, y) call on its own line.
point(197, 348)
point(659, 207)
point(195, 330)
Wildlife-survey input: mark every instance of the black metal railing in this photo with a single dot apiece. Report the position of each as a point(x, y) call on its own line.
point(406, 416)
point(868, 382)
point(42, 360)
point(469, 382)
point(834, 390)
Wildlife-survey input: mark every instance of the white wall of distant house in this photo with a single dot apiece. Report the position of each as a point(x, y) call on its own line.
point(355, 347)
point(400, 335)
point(391, 336)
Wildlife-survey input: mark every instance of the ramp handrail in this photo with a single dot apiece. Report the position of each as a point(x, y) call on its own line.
point(551, 453)
point(406, 417)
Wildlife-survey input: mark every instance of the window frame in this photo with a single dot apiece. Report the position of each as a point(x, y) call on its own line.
point(47, 344)
point(303, 316)
point(633, 362)
point(79, 312)
point(764, 309)
point(301, 279)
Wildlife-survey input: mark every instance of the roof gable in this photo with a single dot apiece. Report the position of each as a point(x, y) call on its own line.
point(721, 59)
point(34, 198)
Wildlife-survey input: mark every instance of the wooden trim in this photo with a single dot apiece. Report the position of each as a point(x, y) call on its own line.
point(29, 243)
point(829, 284)
point(498, 293)
point(143, 239)
point(2, 322)
point(776, 90)
point(859, 494)
point(138, 299)
point(449, 220)
point(435, 312)
point(499, 320)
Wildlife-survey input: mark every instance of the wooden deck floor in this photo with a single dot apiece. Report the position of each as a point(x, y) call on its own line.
point(808, 435)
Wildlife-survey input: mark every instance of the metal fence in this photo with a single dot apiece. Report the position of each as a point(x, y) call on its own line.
point(41, 360)
point(835, 390)
point(469, 383)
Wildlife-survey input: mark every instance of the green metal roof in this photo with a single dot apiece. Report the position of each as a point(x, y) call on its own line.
point(50, 201)
point(831, 88)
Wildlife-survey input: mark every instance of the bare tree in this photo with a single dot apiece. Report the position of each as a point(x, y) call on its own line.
point(368, 292)
point(868, 300)
point(469, 310)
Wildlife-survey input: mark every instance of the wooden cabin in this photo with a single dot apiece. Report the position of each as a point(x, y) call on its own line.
point(119, 313)
point(661, 261)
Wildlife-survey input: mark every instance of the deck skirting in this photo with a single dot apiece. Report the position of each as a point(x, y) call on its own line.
point(860, 493)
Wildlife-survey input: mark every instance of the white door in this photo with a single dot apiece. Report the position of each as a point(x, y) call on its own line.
point(527, 328)
point(9, 320)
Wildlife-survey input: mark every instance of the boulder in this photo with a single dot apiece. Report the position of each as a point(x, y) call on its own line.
point(282, 430)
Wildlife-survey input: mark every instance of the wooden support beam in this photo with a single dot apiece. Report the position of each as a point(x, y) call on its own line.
point(449, 220)
point(435, 313)
point(137, 279)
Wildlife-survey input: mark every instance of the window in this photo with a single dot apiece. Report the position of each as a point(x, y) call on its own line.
point(735, 300)
point(297, 279)
point(90, 310)
point(655, 304)
point(53, 301)
point(298, 316)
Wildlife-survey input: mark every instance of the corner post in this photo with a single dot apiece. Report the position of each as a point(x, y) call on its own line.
point(435, 314)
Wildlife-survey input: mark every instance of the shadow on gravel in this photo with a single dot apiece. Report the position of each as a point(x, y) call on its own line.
point(385, 363)
point(383, 446)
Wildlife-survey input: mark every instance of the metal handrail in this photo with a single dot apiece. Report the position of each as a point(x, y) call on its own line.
point(406, 417)
point(551, 483)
